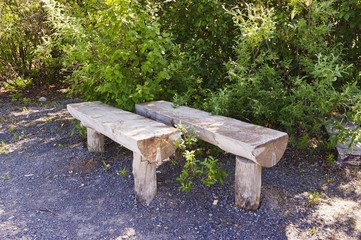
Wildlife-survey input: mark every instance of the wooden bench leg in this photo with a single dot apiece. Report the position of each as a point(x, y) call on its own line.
point(145, 179)
point(95, 140)
point(247, 184)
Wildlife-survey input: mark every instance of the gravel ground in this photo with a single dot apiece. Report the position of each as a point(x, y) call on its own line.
point(51, 187)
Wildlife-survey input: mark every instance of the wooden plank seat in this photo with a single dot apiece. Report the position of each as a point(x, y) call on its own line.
point(254, 146)
point(151, 142)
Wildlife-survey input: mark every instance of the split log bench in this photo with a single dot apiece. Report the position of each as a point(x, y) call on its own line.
point(254, 146)
point(151, 142)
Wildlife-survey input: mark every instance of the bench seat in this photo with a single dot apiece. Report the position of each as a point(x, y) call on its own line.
point(254, 146)
point(151, 142)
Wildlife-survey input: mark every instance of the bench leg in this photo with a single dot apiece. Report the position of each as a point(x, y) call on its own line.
point(145, 179)
point(247, 184)
point(95, 140)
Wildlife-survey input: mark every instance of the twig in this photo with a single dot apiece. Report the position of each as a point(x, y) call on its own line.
point(47, 210)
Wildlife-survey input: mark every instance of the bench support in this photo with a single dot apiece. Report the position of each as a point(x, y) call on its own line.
point(145, 179)
point(95, 140)
point(247, 184)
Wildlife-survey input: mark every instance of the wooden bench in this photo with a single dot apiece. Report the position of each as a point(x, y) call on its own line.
point(254, 146)
point(151, 142)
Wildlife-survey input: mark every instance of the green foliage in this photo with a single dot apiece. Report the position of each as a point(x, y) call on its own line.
point(79, 129)
point(205, 35)
point(27, 56)
point(106, 166)
point(120, 55)
point(292, 65)
point(207, 169)
point(348, 31)
point(314, 198)
point(289, 72)
point(123, 172)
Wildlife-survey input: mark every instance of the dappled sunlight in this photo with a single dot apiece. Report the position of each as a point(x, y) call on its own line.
point(324, 215)
point(8, 148)
point(25, 112)
point(353, 187)
point(9, 229)
point(10, 225)
point(339, 210)
point(128, 233)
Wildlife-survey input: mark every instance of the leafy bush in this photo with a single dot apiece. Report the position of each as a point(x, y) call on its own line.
point(293, 65)
point(205, 34)
point(27, 56)
point(119, 55)
point(290, 71)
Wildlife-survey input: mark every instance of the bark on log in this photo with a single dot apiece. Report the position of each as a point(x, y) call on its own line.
point(145, 179)
point(247, 184)
point(95, 140)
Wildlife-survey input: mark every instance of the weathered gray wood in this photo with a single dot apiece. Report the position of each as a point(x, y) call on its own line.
point(150, 139)
point(145, 179)
point(247, 184)
point(345, 154)
point(95, 141)
point(262, 145)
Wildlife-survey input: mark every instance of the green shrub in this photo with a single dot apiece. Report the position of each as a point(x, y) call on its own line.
point(289, 72)
point(27, 56)
point(205, 35)
point(290, 65)
point(119, 54)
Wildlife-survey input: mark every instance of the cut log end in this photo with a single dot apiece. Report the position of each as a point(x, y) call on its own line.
point(158, 148)
point(272, 154)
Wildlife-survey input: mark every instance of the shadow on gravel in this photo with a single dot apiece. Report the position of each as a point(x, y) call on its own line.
point(51, 187)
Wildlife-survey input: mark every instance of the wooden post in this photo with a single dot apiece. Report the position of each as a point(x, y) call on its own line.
point(145, 178)
point(95, 140)
point(247, 184)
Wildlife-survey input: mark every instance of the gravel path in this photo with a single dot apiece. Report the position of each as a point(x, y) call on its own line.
point(51, 187)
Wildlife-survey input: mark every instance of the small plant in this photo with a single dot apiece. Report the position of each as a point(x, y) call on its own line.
point(180, 100)
point(207, 170)
point(123, 172)
point(329, 179)
point(106, 166)
point(59, 145)
point(330, 159)
point(314, 198)
point(26, 100)
point(79, 129)
point(12, 129)
point(6, 176)
point(313, 230)
point(3, 147)
point(16, 96)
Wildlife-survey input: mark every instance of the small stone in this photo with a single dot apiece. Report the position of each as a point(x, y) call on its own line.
point(215, 201)
point(42, 99)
